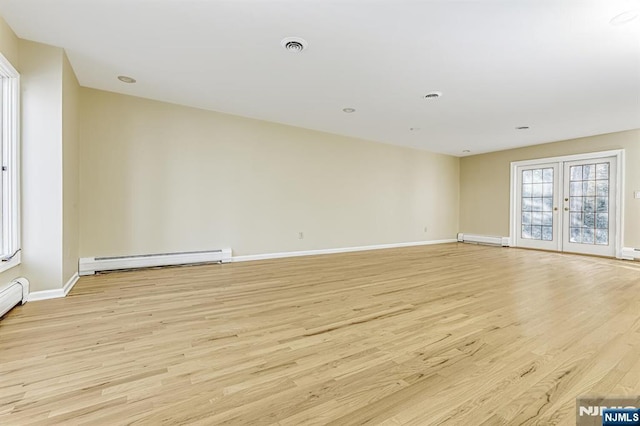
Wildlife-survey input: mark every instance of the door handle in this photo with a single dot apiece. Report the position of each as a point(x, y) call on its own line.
point(555, 209)
point(566, 209)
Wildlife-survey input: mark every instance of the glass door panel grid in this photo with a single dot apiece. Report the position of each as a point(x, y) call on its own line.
point(589, 204)
point(537, 204)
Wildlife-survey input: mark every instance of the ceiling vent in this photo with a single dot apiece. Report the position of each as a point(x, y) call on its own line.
point(126, 79)
point(433, 95)
point(294, 44)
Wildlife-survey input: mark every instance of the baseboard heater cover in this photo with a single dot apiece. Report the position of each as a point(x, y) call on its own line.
point(483, 239)
point(17, 291)
point(91, 265)
point(630, 253)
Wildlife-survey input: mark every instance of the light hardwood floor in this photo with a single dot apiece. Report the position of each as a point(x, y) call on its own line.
point(447, 334)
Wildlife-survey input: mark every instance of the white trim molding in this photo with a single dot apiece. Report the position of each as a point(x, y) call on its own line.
point(55, 293)
point(90, 265)
point(10, 159)
point(630, 253)
point(69, 285)
point(251, 257)
point(484, 239)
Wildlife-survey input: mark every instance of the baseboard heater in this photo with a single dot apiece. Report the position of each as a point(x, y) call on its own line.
point(17, 291)
point(483, 239)
point(91, 265)
point(630, 253)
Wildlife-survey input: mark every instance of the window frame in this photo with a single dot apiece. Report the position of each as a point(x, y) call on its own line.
point(10, 255)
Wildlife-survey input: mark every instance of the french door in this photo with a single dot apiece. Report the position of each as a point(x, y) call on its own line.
point(567, 205)
point(589, 216)
point(537, 203)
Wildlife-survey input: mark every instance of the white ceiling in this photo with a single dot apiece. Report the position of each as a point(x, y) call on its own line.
point(557, 66)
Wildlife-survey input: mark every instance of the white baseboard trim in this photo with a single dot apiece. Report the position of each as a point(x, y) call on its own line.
point(69, 285)
point(56, 293)
point(35, 296)
point(630, 253)
point(484, 239)
point(250, 257)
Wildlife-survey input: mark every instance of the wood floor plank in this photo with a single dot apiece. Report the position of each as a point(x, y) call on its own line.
point(449, 334)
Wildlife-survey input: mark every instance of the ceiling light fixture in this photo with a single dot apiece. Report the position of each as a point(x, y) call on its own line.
point(348, 110)
point(465, 150)
point(522, 128)
point(625, 17)
point(125, 79)
point(433, 95)
point(294, 44)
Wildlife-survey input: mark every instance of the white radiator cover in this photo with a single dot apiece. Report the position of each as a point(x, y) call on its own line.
point(17, 291)
point(91, 265)
point(630, 253)
point(483, 239)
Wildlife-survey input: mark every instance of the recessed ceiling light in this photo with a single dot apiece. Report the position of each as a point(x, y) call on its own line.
point(625, 17)
point(125, 79)
point(433, 95)
point(465, 150)
point(348, 110)
point(522, 127)
point(294, 44)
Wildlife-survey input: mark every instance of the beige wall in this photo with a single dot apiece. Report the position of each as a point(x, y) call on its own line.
point(41, 80)
point(157, 177)
point(484, 182)
point(8, 43)
point(70, 170)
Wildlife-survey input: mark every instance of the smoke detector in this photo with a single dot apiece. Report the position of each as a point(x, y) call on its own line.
point(294, 44)
point(433, 95)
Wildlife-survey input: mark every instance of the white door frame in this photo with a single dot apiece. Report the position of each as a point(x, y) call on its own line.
point(619, 199)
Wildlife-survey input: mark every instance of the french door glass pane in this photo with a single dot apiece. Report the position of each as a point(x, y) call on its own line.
point(537, 204)
point(589, 204)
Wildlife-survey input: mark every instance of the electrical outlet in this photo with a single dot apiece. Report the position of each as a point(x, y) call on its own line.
point(300, 235)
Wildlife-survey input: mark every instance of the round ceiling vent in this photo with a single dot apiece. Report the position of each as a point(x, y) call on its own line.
point(294, 44)
point(433, 95)
point(126, 79)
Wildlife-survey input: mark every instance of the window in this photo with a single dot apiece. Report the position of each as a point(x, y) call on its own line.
point(9, 162)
